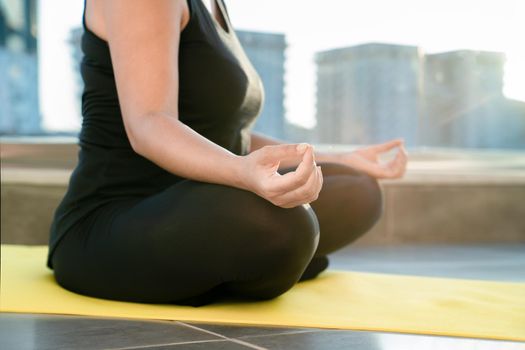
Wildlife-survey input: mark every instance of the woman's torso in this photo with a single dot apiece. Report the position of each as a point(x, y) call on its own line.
point(220, 96)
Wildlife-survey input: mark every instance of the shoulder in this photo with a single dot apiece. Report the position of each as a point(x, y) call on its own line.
point(99, 12)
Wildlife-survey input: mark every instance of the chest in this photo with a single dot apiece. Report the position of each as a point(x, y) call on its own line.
point(215, 75)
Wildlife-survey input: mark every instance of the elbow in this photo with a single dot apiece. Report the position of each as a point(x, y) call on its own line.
point(133, 134)
point(135, 145)
point(142, 132)
point(138, 142)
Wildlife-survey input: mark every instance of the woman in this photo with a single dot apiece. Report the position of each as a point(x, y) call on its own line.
point(174, 199)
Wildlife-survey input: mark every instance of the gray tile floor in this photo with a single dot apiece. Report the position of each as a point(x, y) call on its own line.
point(494, 262)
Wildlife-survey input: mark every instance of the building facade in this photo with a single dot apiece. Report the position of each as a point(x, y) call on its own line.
point(368, 93)
point(465, 105)
point(19, 105)
point(375, 92)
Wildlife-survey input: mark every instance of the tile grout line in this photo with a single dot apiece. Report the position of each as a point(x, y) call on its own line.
point(279, 334)
point(253, 346)
point(167, 344)
point(250, 345)
point(200, 329)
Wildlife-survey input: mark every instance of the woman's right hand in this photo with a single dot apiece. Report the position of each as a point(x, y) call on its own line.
point(291, 189)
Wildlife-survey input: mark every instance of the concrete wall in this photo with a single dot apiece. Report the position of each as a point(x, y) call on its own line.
point(443, 198)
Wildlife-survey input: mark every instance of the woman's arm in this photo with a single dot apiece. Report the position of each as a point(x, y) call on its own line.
point(143, 38)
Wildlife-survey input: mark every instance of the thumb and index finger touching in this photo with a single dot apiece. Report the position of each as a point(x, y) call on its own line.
point(290, 180)
point(386, 146)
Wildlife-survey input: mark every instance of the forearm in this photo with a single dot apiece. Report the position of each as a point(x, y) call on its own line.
point(182, 151)
point(259, 140)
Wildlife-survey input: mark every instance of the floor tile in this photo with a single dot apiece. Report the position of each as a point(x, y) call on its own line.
point(211, 345)
point(337, 340)
point(29, 331)
point(496, 262)
point(240, 331)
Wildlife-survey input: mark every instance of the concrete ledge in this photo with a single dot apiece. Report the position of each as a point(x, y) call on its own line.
point(446, 197)
point(458, 211)
point(35, 176)
point(53, 176)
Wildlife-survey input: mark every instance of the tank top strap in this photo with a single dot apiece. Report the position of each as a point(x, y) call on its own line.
point(225, 15)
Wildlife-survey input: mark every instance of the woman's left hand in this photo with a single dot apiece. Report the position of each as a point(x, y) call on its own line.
point(366, 160)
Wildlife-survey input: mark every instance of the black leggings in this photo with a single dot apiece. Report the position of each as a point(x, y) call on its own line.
point(195, 241)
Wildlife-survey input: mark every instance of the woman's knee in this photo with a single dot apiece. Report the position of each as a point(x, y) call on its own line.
point(350, 197)
point(278, 254)
point(368, 196)
point(297, 233)
point(369, 189)
point(284, 229)
point(375, 196)
point(279, 242)
point(369, 185)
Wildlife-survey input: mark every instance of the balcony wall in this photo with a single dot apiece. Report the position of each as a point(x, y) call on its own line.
point(446, 196)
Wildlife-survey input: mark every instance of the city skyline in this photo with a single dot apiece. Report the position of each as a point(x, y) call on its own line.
point(374, 92)
point(303, 41)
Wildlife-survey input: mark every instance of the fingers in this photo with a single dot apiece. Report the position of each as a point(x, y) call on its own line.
point(274, 153)
point(294, 179)
point(307, 193)
point(403, 160)
point(300, 186)
point(383, 147)
point(397, 166)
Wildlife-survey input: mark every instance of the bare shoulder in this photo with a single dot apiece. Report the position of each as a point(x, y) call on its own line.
point(143, 38)
point(95, 20)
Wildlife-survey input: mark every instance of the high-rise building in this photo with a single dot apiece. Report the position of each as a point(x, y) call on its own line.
point(19, 107)
point(368, 93)
point(74, 40)
point(465, 105)
point(266, 51)
point(374, 92)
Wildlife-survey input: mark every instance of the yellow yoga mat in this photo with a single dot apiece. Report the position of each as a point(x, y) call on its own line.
point(335, 299)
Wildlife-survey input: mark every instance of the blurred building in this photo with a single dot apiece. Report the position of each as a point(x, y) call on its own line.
point(374, 92)
point(266, 52)
point(298, 133)
point(368, 93)
point(19, 108)
point(465, 105)
point(74, 40)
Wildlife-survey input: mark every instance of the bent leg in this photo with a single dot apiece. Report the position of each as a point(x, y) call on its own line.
point(348, 206)
point(186, 241)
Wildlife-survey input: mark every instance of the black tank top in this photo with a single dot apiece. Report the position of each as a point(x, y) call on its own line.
point(220, 96)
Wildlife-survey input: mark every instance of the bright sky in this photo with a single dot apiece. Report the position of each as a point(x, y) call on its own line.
point(311, 26)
